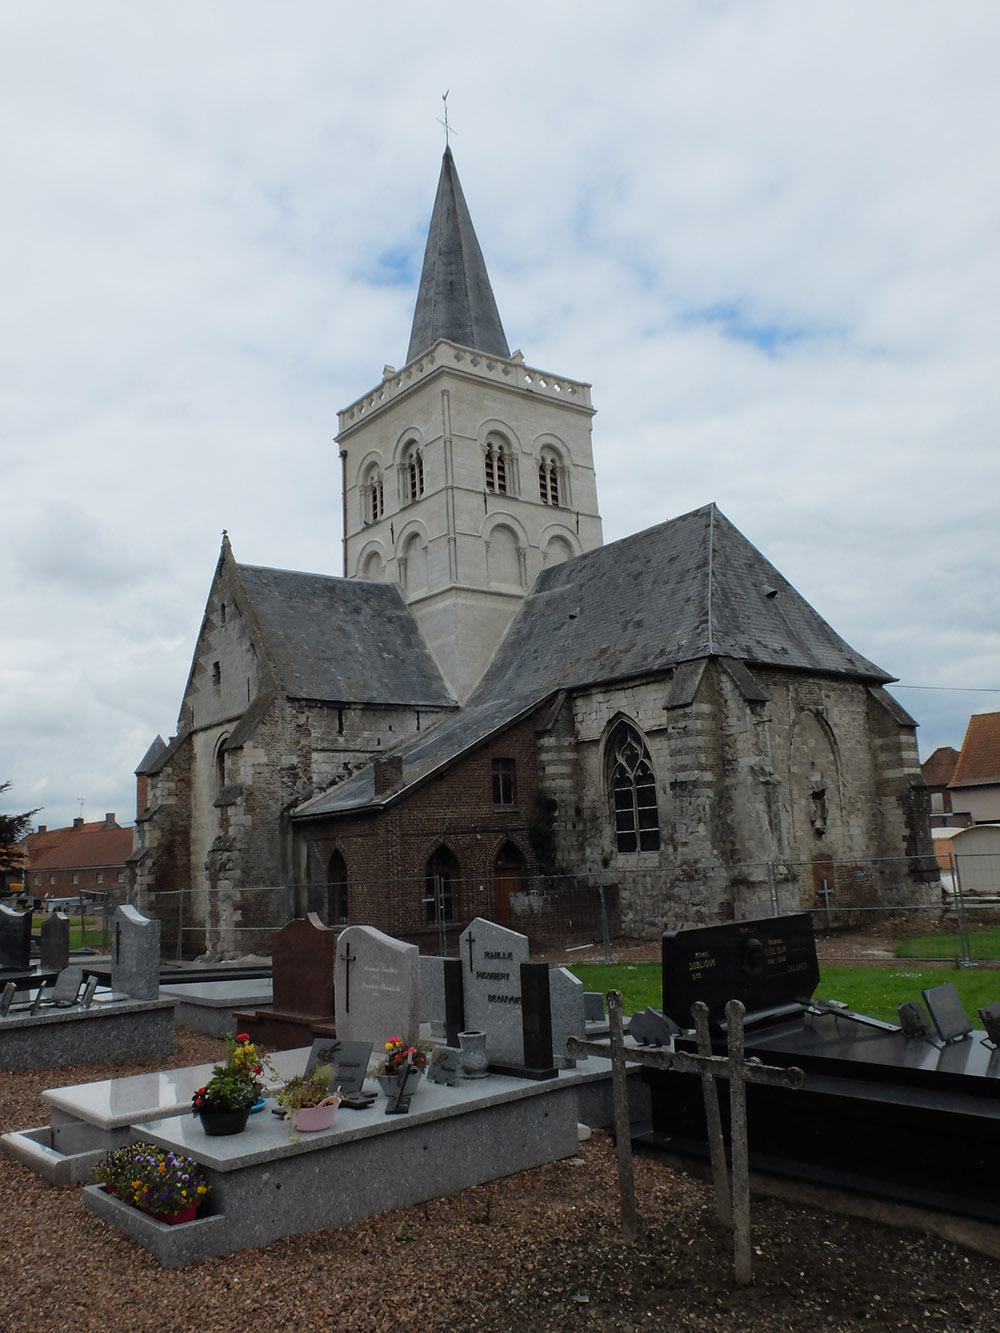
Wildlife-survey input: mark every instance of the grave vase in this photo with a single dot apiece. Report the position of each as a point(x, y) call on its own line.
point(217, 1123)
point(389, 1083)
point(475, 1061)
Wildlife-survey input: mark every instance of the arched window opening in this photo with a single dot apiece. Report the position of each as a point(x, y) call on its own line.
point(220, 765)
point(337, 897)
point(548, 481)
point(373, 496)
point(442, 878)
point(633, 791)
point(497, 464)
point(413, 472)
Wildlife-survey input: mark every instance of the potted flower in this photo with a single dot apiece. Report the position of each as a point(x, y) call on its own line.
point(400, 1058)
point(225, 1102)
point(308, 1101)
point(160, 1183)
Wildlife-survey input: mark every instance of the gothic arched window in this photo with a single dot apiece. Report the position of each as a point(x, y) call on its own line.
point(442, 876)
point(413, 472)
point(497, 464)
point(632, 784)
point(372, 495)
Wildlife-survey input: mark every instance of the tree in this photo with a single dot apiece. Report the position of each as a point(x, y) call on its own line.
point(12, 830)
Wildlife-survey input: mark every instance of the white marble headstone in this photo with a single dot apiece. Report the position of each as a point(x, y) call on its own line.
point(135, 954)
point(376, 983)
point(491, 967)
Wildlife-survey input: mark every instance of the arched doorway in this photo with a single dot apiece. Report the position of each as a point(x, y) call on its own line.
point(508, 878)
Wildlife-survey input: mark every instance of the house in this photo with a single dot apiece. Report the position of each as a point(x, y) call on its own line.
point(493, 713)
point(937, 773)
point(86, 858)
point(975, 781)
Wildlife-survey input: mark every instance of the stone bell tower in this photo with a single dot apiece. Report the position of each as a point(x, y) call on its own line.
point(466, 471)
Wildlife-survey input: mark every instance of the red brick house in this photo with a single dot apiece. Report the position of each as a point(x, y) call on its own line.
point(63, 863)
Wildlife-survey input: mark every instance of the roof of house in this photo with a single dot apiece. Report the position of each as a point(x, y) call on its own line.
point(343, 640)
point(979, 760)
point(81, 847)
point(686, 590)
point(455, 299)
point(938, 769)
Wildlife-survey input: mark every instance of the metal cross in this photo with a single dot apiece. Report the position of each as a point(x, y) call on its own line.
point(472, 940)
point(347, 959)
point(448, 130)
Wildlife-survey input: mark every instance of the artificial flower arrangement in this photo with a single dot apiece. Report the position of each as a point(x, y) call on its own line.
point(237, 1084)
point(398, 1056)
point(150, 1178)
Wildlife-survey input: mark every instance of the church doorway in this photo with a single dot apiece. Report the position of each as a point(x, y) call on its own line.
point(508, 878)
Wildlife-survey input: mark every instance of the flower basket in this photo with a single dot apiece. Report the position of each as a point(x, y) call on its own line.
point(186, 1214)
point(310, 1119)
point(158, 1183)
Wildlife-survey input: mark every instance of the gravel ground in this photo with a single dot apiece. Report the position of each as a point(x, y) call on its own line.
point(541, 1250)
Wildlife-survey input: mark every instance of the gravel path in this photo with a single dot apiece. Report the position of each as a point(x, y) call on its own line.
point(537, 1251)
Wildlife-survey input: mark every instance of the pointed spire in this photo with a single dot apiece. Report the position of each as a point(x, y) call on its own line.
point(455, 299)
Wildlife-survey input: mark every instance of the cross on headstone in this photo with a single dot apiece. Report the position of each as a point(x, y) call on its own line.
point(118, 940)
point(347, 959)
point(471, 941)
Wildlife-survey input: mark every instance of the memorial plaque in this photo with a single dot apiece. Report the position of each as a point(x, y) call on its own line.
point(348, 1059)
point(491, 958)
point(945, 1008)
point(989, 1016)
point(67, 987)
point(446, 1066)
point(87, 998)
point(767, 964)
point(15, 939)
point(377, 983)
point(651, 1028)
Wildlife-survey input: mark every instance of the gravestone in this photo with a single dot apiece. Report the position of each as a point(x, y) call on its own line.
point(536, 1022)
point(593, 1006)
point(6, 998)
point(566, 1002)
point(491, 958)
point(651, 1028)
point(67, 987)
point(442, 998)
point(446, 1066)
point(15, 940)
point(945, 1007)
point(302, 1000)
point(377, 985)
point(766, 964)
point(347, 1059)
point(53, 942)
point(135, 954)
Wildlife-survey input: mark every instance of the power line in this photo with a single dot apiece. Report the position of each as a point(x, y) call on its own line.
point(954, 689)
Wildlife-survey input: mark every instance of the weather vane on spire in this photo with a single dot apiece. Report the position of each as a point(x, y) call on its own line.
point(448, 130)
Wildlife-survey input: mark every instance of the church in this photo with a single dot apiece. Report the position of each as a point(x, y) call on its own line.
point(489, 712)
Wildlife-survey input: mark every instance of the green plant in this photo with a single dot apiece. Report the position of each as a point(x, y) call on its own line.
point(150, 1178)
point(236, 1084)
point(305, 1090)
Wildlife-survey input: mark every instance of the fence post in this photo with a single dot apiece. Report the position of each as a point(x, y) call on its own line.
point(961, 920)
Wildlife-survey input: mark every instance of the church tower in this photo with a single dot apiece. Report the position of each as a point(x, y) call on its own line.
point(465, 472)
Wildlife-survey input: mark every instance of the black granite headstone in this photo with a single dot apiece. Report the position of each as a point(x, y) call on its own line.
point(767, 964)
point(454, 1000)
point(15, 939)
point(989, 1016)
point(913, 1021)
point(945, 1008)
point(649, 1027)
point(536, 1016)
point(53, 942)
point(593, 1006)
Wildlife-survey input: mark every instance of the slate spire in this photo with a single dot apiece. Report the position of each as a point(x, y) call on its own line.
point(455, 299)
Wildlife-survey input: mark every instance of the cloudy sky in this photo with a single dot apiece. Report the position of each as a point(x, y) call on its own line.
point(765, 230)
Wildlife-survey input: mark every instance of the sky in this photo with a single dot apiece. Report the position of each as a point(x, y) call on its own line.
point(765, 231)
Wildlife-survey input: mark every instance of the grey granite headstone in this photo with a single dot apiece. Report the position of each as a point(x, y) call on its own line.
point(491, 959)
point(566, 1005)
point(446, 1066)
point(53, 942)
point(6, 997)
point(348, 1059)
point(15, 939)
point(432, 993)
point(135, 954)
point(377, 987)
point(87, 998)
point(67, 987)
point(593, 1006)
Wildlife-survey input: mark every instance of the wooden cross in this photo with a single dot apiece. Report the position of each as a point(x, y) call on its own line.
point(347, 959)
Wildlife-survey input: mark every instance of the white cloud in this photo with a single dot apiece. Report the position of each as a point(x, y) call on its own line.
point(764, 230)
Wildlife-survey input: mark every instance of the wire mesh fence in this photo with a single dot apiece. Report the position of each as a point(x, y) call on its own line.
point(949, 904)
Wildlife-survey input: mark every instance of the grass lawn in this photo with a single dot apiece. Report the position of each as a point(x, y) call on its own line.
point(876, 991)
point(985, 944)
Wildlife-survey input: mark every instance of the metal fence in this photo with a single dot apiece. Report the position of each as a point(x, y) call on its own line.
point(605, 915)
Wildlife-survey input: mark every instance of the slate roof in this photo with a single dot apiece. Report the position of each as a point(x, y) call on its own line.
point(343, 640)
point(979, 760)
point(455, 299)
point(688, 589)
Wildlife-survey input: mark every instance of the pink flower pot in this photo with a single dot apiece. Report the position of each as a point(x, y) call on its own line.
point(311, 1118)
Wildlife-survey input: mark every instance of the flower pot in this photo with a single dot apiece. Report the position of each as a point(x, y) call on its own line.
point(309, 1119)
point(186, 1214)
point(224, 1122)
point(475, 1061)
point(389, 1083)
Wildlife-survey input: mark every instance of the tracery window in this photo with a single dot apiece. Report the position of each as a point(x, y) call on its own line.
point(413, 472)
point(373, 496)
point(497, 464)
point(632, 783)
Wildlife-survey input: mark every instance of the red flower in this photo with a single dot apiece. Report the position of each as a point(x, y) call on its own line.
point(242, 1036)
